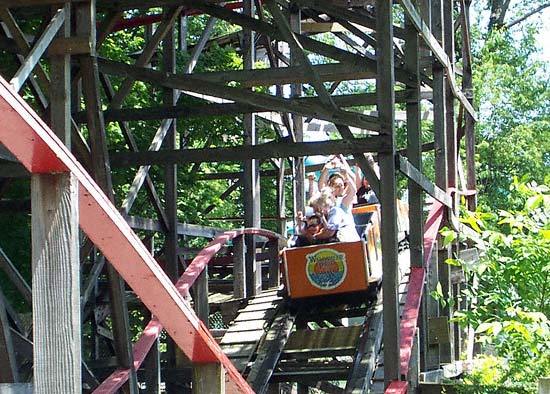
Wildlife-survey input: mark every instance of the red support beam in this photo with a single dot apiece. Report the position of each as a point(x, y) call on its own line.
point(411, 309)
point(154, 327)
point(27, 137)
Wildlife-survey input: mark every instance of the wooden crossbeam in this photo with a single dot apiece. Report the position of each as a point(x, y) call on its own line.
point(31, 141)
point(246, 152)
point(39, 48)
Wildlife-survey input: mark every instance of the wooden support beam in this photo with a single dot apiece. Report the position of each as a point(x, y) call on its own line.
point(414, 146)
point(423, 182)
point(56, 281)
point(42, 152)
point(439, 53)
point(86, 28)
point(241, 153)
point(239, 282)
point(12, 30)
point(260, 100)
point(15, 277)
point(385, 86)
point(192, 230)
point(208, 378)
point(39, 48)
point(166, 123)
point(9, 372)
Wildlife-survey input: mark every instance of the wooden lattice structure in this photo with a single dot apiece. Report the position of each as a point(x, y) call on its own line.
point(405, 53)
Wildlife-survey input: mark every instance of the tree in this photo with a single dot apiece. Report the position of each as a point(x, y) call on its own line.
point(512, 313)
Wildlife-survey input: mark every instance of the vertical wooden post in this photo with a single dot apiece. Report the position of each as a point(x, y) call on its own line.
point(414, 146)
point(452, 148)
point(467, 89)
point(274, 271)
point(201, 296)
point(385, 85)
point(251, 169)
point(297, 121)
point(56, 284)
point(281, 201)
point(239, 282)
point(86, 28)
point(170, 193)
point(60, 100)
point(208, 378)
point(446, 349)
point(429, 354)
point(440, 135)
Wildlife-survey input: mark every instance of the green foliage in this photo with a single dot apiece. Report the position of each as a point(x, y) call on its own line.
point(513, 294)
point(513, 96)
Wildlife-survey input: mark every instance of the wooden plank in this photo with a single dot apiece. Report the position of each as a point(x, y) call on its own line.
point(38, 50)
point(56, 281)
point(30, 140)
point(324, 338)
point(260, 100)
point(262, 152)
point(269, 352)
point(368, 348)
point(194, 230)
point(251, 336)
point(435, 47)
point(209, 378)
point(421, 180)
point(388, 189)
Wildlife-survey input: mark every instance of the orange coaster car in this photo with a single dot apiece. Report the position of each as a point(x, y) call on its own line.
point(333, 268)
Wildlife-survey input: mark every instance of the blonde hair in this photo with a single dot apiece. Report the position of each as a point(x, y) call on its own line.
point(323, 199)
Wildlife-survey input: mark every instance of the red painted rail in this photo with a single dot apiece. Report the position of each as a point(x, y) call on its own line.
point(411, 309)
point(154, 327)
point(27, 137)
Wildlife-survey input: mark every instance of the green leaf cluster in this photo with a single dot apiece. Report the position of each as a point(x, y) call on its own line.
point(512, 314)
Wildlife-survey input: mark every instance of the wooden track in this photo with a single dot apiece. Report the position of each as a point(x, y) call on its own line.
point(243, 336)
point(314, 343)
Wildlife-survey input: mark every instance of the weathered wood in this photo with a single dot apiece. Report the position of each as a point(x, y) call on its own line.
point(268, 354)
point(260, 100)
point(423, 182)
point(274, 271)
point(208, 378)
point(388, 192)
point(436, 48)
point(56, 281)
point(414, 147)
point(194, 230)
point(239, 281)
point(201, 297)
point(244, 152)
point(368, 348)
point(39, 48)
point(60, 101)
point(430, 353)
point(468, 119)
point(86, 28)
point(440, 133)
point(11, 29)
